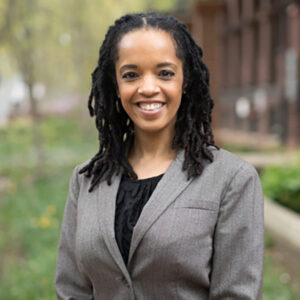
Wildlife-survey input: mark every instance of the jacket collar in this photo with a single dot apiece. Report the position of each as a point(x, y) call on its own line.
point(173, 182)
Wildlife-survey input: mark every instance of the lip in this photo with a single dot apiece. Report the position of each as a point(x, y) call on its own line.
point(149, 102)
point(150, 113)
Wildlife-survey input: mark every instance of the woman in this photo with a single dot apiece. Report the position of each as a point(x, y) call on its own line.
point(161, 212)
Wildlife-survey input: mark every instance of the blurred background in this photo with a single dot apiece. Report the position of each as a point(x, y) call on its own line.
point(48, 49)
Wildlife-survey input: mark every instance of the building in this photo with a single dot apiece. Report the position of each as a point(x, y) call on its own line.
point(252, 48)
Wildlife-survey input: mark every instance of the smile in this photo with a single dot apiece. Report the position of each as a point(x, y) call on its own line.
point(150, 106)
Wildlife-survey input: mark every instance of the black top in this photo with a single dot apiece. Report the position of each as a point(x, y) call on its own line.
point(131, 198)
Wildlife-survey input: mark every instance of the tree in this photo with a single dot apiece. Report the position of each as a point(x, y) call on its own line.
point(24, 26)
point(56, 42)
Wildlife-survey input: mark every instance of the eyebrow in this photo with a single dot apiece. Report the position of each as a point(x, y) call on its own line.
point(160, 65)
point(166, 64)
point(128, 67)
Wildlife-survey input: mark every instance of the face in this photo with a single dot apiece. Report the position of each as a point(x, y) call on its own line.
point(150, 78)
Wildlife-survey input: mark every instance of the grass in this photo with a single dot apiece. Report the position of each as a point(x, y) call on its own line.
point(277, 279)
point(31, 217)
point(32, 204)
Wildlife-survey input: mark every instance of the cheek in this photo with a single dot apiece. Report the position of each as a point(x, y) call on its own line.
point(125, 104)
point(126, 91)
point(177, 86)
point(175, 92)
point(126, 96)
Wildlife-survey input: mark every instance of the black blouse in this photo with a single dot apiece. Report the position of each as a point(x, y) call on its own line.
point(131, 198)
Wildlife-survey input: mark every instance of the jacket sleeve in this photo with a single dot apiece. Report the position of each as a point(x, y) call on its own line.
point(70, 281)
point(237, 262)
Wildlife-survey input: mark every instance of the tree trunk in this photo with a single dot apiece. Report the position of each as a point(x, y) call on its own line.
point(37, 136)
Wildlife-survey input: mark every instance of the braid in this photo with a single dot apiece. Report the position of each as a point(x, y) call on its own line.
point(193, 126)
point(193, 131)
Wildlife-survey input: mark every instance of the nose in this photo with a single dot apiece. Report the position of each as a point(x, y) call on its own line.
point(148, 86)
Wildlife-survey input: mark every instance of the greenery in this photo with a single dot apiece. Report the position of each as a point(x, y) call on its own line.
point(276, 282)
point(282, 184)
point(239, 148)
point(32, 204)
point(56, 42)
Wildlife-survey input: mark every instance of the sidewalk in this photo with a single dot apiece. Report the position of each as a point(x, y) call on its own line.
point(263, 159)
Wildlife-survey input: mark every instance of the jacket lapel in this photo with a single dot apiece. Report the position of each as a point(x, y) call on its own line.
point(106, 206)
point(167, 190)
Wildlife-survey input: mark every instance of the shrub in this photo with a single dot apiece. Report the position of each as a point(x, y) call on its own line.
point(282, 184)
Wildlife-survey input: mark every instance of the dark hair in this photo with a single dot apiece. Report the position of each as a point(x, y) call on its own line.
point(193, 131)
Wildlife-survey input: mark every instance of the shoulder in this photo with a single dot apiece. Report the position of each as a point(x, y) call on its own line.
point(77, 179)
point(223, 158)
point(227, 165)
point(81, 165)
point(229, 175)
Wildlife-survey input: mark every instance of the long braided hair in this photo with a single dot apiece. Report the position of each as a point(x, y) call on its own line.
point(193, 131)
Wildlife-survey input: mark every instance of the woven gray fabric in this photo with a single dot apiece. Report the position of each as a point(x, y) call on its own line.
point(196, 239)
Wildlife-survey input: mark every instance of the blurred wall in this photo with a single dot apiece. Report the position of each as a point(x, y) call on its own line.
point(252, 50)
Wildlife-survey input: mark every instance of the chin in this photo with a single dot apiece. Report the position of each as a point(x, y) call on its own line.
point(154, 128)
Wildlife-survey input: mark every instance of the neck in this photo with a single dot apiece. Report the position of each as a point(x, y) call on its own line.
point(148, 145)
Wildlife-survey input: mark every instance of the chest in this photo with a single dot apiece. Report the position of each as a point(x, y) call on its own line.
point(170, 237)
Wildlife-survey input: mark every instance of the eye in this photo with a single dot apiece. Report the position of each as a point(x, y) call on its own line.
point(129, 75)
point(166, 73)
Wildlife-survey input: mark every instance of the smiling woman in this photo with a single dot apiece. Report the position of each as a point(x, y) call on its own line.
point(150, 81)
point(160, 212)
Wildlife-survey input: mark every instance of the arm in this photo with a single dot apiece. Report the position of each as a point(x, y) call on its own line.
point(237, 263)
point(70, 281)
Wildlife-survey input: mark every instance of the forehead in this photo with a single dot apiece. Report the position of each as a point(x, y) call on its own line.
point(146, 42)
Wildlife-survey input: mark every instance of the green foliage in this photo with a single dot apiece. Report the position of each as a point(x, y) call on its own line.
point(65, 139)
point(239, 148)
point(56, 42)
point(276, 282)
point(282, 184)
point(32, 216)
point(269, 241)
point(31, 206)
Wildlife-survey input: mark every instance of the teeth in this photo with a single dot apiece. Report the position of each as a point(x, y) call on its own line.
point(151, 106)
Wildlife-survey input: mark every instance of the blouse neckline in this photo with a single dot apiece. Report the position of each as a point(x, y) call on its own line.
point(143, 180)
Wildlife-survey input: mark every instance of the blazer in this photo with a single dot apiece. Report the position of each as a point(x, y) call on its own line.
point(201, 238)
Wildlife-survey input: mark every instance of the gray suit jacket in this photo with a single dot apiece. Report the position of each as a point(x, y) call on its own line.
point(196, 239)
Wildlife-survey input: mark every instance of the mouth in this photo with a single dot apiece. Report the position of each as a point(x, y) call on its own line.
point(150, 106)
